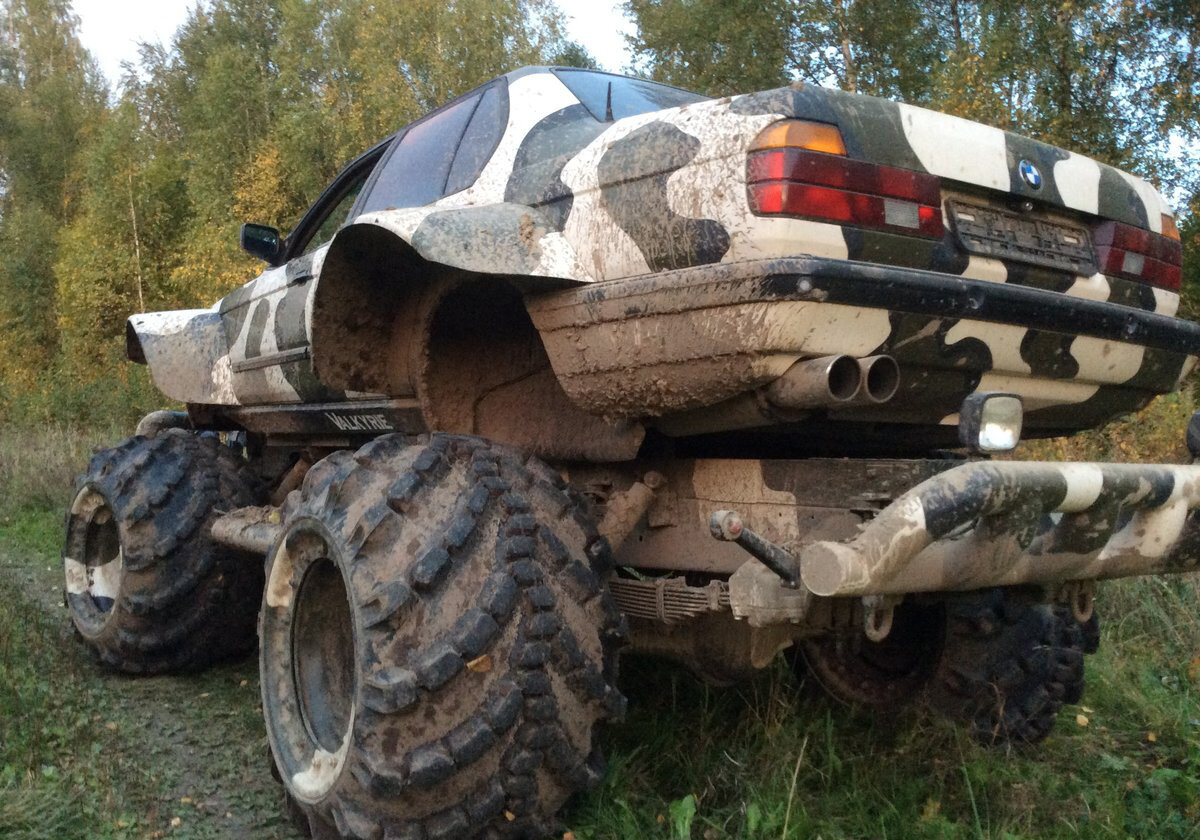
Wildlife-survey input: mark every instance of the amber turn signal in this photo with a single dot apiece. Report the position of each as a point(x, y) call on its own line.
point(1168, 227)
point(801, 134)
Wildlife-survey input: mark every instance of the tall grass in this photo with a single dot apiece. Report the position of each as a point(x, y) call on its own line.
point(38, 465)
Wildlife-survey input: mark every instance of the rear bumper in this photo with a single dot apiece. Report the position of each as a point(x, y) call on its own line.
point(1006, 523)
point(677, 341)
point(869, 285)
point(950, 296)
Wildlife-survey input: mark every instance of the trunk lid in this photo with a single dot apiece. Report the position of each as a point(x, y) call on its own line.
point(966, 152)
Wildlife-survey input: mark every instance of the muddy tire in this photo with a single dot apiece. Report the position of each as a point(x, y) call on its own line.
point(859, 672)
point(1008, 666)
point(437, 643)
point(147, 590)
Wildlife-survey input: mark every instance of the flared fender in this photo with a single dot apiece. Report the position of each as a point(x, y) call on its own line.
point(186, 352)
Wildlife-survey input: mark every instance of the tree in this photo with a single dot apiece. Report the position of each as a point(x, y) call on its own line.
point(1117, 79)
point(714, 46)
point(50, 96)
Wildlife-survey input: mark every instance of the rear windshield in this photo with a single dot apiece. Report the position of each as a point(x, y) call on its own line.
point(610, 97)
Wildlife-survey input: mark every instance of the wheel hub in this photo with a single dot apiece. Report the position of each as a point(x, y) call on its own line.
point(857, 670)
point(308, 663)
point(323, 654)
point(93, 563)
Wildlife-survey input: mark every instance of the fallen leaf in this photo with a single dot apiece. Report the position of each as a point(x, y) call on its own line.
point(244, 683)
point(480, 665)
point(510, 816)
point(1081, 720)
point(176, 822)
point(185, 800)
point(1151, 737)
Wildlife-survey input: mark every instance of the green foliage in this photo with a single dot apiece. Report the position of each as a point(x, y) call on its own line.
point(1116, 79)
point(715, 46)
point(50, 96)
point(107, 209)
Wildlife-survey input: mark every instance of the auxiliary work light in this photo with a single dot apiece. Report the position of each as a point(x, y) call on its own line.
point(990, 422)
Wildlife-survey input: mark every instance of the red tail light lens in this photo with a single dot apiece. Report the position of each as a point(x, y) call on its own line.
point(1141, 255)
point(784, 180)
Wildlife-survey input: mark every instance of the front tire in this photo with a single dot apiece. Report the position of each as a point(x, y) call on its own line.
point(147, 590)
point(437, 643)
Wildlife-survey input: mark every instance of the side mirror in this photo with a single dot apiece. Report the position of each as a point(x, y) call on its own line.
point(262, 241)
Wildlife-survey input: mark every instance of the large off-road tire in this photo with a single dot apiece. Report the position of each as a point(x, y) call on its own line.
point(147, 590)
point(1008, 666)
point(437, 643)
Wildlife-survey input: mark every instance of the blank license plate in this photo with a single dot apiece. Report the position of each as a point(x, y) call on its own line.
point(1009, 236)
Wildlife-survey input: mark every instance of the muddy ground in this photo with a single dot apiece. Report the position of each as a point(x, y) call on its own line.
point(87, 754)
point(195, 743)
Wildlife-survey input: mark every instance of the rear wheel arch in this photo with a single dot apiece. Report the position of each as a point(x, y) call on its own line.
point(387, 320)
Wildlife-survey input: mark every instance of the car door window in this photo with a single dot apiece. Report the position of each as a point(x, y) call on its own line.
point(333, 208)
point(335, 218)
point(611, 97)
point(481, 138)
point(416, 170)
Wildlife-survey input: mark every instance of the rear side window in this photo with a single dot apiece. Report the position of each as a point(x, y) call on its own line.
point(415, 172)
point(481, 138)
point(610, 97)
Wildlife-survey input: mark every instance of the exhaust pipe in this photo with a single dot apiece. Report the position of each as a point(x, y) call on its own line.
point(828, 382)
point(880, 379)
point(817, 383)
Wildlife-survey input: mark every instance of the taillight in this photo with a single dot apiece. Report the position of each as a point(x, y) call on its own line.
point(1137, 254)
point(1169, 229)
point(799, 168)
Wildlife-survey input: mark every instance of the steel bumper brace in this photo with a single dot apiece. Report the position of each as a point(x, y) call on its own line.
point(1001, 523)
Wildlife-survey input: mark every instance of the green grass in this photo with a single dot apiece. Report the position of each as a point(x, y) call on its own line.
point(87, 754)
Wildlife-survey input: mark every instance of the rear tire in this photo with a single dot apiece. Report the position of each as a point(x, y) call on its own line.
point(437, 643)
point(147, 590)
point(882, 675)
point(1008, 666)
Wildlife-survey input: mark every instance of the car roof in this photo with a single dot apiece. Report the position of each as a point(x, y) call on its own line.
point(534, 69)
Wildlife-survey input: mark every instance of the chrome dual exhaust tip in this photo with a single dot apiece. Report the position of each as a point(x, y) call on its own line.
point(835, 381)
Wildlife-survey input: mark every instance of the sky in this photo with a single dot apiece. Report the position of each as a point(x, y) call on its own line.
point(111, 31)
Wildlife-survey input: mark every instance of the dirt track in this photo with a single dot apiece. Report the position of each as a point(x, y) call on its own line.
point(197, 741)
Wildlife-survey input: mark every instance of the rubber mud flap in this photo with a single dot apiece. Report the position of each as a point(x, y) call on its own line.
point(437, 643)
point(147, 590)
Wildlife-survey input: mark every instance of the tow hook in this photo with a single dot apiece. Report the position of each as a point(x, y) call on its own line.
point(1080, 596)
point(727, 525)
point(878, 614)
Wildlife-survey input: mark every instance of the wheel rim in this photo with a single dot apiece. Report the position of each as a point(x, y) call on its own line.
point(93, 563)
point(323, 654)
point(308, 660)
point(858, 671)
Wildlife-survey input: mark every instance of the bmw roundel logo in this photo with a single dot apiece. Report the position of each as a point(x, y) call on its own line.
point(1030, 174)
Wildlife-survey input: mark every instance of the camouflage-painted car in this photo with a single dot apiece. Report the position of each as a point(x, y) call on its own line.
point(764, 319)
